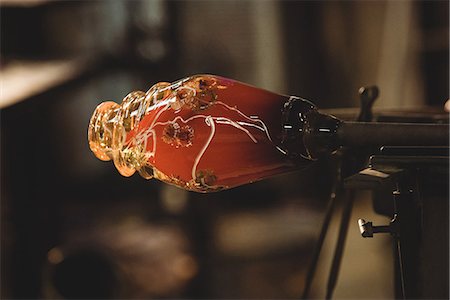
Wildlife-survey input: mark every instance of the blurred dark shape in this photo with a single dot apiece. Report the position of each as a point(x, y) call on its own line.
point(434, 19)
point(129, 259)
point(85, 275)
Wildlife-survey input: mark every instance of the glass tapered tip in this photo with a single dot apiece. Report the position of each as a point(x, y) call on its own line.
point(100, 132)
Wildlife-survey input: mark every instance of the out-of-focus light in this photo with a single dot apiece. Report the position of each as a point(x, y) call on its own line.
point(447, 106)
point(184, 267)
point(55, 256)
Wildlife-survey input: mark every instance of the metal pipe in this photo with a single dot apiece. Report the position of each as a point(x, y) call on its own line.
point(392, 134)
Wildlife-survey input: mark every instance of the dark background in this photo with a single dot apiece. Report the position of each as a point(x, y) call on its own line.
point(72, 227)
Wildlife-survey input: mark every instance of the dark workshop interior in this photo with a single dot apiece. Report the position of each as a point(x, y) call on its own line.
point(73, 228)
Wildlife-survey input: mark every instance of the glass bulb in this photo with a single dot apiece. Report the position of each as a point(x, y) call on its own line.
point(203, 133)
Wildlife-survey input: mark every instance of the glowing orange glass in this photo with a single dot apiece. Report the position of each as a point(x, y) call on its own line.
point(203, 133)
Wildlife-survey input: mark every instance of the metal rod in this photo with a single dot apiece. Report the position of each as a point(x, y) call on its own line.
point(400, 267)
point(392, 134)
point(335, 195)
point(339, 250)
point(318, 247)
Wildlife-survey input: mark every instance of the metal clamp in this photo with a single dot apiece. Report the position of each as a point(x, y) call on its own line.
point(367, 229)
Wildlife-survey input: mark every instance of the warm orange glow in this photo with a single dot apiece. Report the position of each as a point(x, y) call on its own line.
point(203, 133)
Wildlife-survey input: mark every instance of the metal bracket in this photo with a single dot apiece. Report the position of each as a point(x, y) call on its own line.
point(367, 229)
point(367, 96)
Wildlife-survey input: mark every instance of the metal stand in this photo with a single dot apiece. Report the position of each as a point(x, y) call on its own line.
point(395, 170)
point(403, 177)
point(347, 163)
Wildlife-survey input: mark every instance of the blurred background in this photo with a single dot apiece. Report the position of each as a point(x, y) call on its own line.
point(72, 227)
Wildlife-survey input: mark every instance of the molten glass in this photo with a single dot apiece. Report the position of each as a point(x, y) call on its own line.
point(203, 133)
